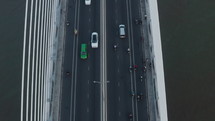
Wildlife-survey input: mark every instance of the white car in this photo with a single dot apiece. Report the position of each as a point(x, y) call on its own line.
point(122, 31)
point(94, 40)
point(87, 2)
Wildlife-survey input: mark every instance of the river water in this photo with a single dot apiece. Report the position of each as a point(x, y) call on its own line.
point(188, 41)
point(11, 38)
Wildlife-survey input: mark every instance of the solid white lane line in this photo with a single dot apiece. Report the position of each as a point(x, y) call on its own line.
point(73, 64)
point(90, 10)
point(76, 59)
point(88, 110)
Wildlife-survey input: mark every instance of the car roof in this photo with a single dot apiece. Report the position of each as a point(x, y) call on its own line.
point(94, 33)
point(83, 47)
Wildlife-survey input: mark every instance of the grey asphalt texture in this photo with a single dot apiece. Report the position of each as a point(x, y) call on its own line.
point(87, 99)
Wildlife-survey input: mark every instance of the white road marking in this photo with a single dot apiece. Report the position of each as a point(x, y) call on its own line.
point(88, 110)
point(74, 103)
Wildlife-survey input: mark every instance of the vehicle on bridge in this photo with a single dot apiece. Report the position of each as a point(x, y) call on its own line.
point(87, 2)
point(83, 51)
point(94, 40)
point(122, 31)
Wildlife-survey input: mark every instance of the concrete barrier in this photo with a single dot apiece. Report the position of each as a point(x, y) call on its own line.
point(157, 108)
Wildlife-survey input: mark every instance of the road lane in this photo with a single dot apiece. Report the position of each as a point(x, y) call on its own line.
point(122, 82)
point(88, 71)
point(119, 88)
point(67, 64)
point(87, 93)
point(139, 56)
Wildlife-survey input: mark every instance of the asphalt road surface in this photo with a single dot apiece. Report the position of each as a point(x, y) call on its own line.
point(124, 83)
point(81, 90)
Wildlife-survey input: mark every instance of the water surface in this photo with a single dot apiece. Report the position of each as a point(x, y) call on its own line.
point(11, 38)
point(188, 41)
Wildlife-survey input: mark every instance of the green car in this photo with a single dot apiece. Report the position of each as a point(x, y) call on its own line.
point(83, 51)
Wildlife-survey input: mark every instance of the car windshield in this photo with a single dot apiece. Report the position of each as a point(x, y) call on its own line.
point(94, 39)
